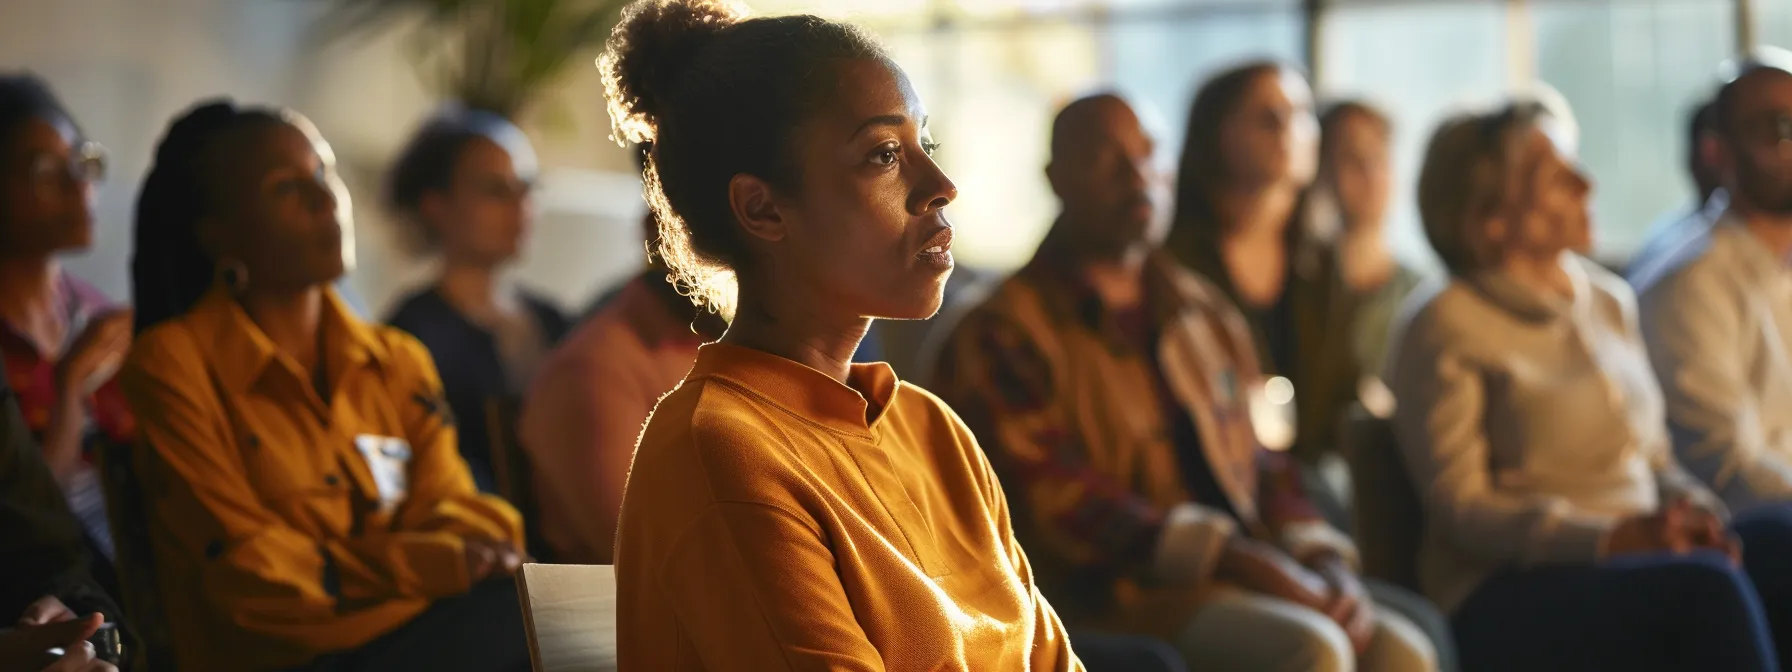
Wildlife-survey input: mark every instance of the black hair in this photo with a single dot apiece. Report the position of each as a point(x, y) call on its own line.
point(23, 97)
point(717, 95)
point(170, 269)
point(427, 162)
point(1699, 121)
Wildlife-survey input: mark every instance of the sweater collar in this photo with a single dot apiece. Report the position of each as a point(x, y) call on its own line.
point(805, 392)
point(1532, 304)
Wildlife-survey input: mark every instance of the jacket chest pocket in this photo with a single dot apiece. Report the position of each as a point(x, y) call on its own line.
point(908, 515)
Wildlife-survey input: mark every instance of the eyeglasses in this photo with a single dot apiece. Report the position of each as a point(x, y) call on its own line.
point(86, 165)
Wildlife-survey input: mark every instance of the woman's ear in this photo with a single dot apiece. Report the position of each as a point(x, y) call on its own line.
point(1490, 238)
point(756, 208)
point(433, 209)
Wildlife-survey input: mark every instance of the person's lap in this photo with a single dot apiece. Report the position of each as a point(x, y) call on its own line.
point(1634, 613)
point(1238, 630)
point(1422, 614)
point(480, 631)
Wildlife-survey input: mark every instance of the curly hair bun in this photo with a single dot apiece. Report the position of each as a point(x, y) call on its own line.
point(652, 45)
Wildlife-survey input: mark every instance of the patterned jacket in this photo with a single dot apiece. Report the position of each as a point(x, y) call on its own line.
point(1104, 448)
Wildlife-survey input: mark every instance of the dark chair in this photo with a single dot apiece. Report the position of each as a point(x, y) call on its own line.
point(512, 470)
point(1388, 516)
point(128, 508)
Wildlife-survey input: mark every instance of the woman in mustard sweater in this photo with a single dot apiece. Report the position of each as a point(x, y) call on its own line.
point(788, 509)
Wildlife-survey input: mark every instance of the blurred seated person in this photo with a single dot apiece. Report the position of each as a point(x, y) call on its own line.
point(586, 408)
point(1110, 385)
point(60, 337)
point(1561, 532)
point(1717, 317)
point(308, 508)
point(1248, 159)
point(1667, 237)
point(43, 559)
point(463, 185)
point(1356, 183)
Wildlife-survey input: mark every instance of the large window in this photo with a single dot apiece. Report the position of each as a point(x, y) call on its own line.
point(994, 71)
point(1633, 71)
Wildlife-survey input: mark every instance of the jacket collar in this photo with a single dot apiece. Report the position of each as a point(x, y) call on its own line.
point(244, 353)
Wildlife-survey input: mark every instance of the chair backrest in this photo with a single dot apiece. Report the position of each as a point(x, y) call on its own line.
point(1388, 516)
point(511, 467)
point(570, 614)
point(128, 509)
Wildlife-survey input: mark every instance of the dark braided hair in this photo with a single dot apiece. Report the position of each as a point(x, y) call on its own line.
point(717, 94)
point(170, 269)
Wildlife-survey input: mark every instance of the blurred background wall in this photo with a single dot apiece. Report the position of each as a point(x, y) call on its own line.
point(991, 71)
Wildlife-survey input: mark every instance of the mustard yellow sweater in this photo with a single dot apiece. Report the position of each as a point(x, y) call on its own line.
point(775, 519)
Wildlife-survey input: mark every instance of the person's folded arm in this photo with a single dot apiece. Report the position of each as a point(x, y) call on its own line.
point(999, 378)
point(1696, 333)
point(423, 552)
point(266, 575)
point(1440, 428)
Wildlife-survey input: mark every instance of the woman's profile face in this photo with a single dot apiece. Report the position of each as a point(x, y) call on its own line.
point(279, 213)
point(1361, 172)
point(1552, 202)
point(1271, 136)
point(46, 189)
point(867, 227)
point(483, 215)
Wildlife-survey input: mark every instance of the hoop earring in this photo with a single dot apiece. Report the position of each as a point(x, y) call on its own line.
point(235, 275)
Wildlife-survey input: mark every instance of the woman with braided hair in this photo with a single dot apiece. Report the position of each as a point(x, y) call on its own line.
point(307, 505)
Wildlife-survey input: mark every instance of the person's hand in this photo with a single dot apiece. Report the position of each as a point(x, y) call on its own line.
point(1676, 528)
point(95, 354)
point(1349, 603)
point(27, 648)
point(1263, 568)
point(80, 659)
point(487, 558)
point(47, 609)
point(1706, 530)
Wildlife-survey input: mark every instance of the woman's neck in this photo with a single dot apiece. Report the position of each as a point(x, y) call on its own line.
point(1119, 282)
point(821, 342)
point(1365, 260)
point(291, 320)
point(27, 286)
point(28, 299)
point(1256, 213)
point(473, 288)
point(1541, 272)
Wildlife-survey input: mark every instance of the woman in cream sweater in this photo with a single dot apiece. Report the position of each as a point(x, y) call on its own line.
point(1561, 533)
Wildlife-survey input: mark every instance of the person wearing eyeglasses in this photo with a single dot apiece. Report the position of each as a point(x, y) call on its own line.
point(1718, 318)
point(62, 339)
point(463, 184)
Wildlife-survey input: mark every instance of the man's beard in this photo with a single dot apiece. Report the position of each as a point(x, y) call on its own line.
point(1765, 189)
